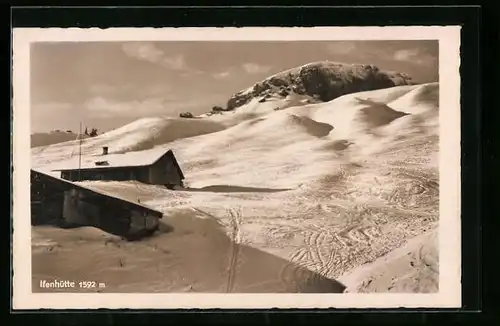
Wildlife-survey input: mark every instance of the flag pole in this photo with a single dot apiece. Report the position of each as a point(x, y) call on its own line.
point(80, 155)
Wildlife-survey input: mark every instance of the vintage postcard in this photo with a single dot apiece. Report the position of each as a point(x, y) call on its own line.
point(236, 167)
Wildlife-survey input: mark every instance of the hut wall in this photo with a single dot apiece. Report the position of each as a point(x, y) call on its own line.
point(111, 174)
point(107, 174)
point(85, 209)
point(53, 200)
point(46, 212)
point(114, 218)
point(141, 221)
point(46, 200)
point(165, 172)
point(77, 209)
point(143, 174)
point(66, 175)
point(74, 210)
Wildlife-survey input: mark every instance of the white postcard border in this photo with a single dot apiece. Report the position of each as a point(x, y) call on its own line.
point(449, 294)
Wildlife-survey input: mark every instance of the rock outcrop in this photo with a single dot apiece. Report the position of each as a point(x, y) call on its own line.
point(323, 81)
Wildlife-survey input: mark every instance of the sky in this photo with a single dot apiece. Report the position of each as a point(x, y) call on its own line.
point(108, 84)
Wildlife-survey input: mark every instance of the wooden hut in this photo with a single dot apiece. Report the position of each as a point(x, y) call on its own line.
point(63, 203)
point(158, 167)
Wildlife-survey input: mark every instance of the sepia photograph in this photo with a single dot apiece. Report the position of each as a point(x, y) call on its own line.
point(284, 167)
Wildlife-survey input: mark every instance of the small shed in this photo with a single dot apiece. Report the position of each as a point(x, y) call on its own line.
point(158, 166)
point(59, 202)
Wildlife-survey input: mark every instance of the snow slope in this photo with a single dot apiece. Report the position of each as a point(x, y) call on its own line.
point(329, 186)
point(412, 268)
point(141, 135)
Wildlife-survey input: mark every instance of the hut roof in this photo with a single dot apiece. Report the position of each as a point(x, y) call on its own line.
point(67, 185)
point(121, 160)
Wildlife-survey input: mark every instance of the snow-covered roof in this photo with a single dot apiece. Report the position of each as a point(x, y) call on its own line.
point(68, 184)
point(116, 160)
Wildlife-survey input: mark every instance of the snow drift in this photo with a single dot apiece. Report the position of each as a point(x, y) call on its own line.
point(172, 261)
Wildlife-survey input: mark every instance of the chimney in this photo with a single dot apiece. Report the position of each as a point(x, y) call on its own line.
point(105, 150)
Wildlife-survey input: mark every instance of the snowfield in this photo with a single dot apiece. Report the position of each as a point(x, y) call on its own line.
point(346, 189)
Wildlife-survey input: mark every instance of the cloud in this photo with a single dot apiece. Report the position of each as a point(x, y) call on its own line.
point(102, 89)
point(192, 72)
point(101, 106)
point(221, 75)
point(52, 107)
point(143, 51)
point(405, 54)
point(156, 90)
point(175, 63)
point(130, 91)
point(149, 52)
point(254, 68)
point(415, 56)
point(47, 116)
point(341, 47)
